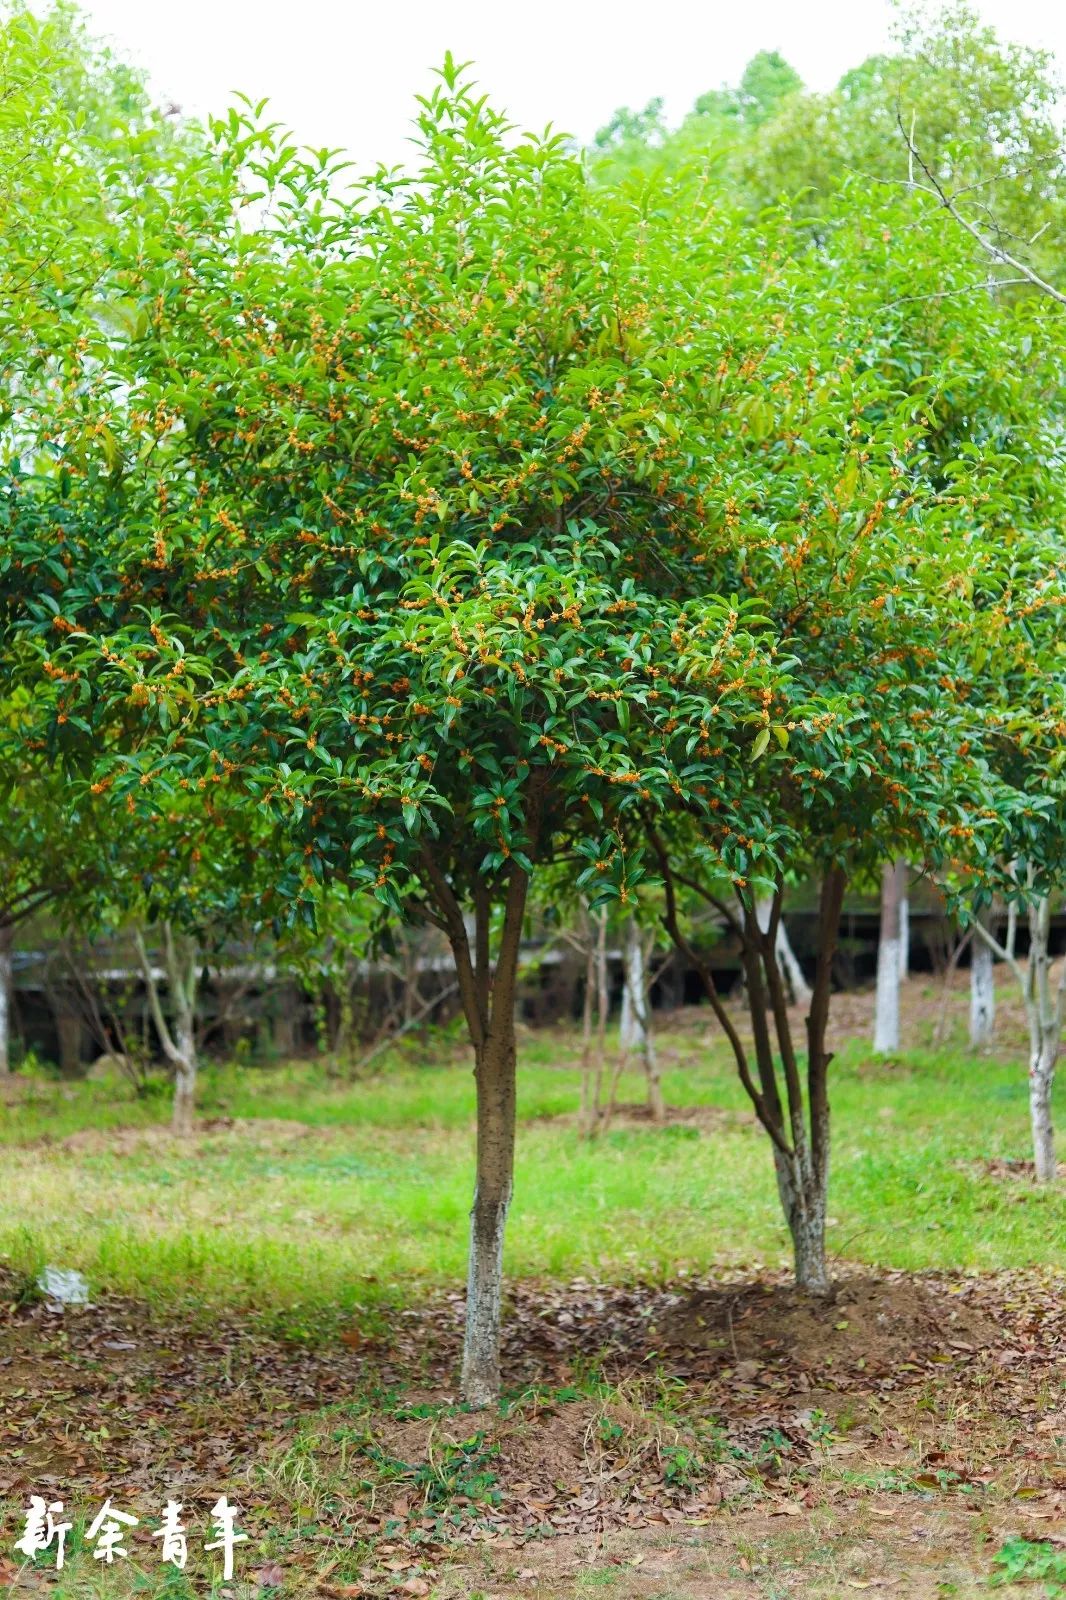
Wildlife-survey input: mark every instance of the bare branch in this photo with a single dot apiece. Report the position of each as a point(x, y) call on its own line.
point(934, 188)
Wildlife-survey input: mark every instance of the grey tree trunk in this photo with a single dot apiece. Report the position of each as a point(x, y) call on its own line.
point(1045, 1014)
point(5, 1001)
point(982, 987)
point(635, 1032)
point(631, 1029)
point(489, 1006)
point(594, 1052)
point(588, 1112)
point(495, 1077)
point(803, 1195)
point(177, 1037)
point(886, 1012)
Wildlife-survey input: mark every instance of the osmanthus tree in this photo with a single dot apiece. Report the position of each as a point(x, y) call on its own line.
point(874, 494)
point(400, 534)
point(50, 853)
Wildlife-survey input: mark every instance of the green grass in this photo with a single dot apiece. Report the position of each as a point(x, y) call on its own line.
point(370, 1205)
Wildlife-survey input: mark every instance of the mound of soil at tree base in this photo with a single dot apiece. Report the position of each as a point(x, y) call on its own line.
point(872, 1327)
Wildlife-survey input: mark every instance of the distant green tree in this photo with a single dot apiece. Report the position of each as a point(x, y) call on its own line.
point(766, 82)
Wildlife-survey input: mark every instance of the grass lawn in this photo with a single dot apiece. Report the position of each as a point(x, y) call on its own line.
point(328, 1196)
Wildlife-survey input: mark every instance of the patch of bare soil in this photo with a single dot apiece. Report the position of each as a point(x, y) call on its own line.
point(1025, 1171)
point(884, 1547)
point(211, 1132)
point(631, 1115)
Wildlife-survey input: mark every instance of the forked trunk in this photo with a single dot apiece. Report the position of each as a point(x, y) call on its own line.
point(982, 989)
point(495, 1077)
point(889, 954)
point(178, 1036)
point(794, 1115)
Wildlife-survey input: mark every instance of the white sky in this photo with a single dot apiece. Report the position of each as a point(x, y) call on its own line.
point(345, 72)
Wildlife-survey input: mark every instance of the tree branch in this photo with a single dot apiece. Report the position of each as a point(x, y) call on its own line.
point(670, 923)
point(170, 1049)
point(935, 189)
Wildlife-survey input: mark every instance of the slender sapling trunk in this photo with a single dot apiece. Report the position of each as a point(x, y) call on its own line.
point(982, 987)
point(177, 1037)
point(886, 1013)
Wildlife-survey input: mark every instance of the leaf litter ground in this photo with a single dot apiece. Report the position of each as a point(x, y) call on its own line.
point(728, 1437)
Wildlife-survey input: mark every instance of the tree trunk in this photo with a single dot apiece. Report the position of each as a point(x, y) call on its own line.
point(603, 1001)
point(495, 1078)
point(635, 1032)
point(1041, 1080)
point(489, 1004)
point(886, 1014)
point(904, 921)
point(982, 988)
point(631, 1029)
point(803, 1200)
point(182, 974)
point(588, 1112)
point(6, 990)
point(1045, 1016)
point(70, 1037)
point(184, 1087)
point(177, 1038)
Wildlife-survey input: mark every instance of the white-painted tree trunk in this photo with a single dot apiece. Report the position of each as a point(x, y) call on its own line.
point(495, 1056)
point(982, 987)
point(632, 1030)
point(886, 1013)
point(904, 923)
point(5, 1001)
point(1045, 1011)
point(798, 987)
point(1045, 1014)
point(177, 1037)
point(484, 1297)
